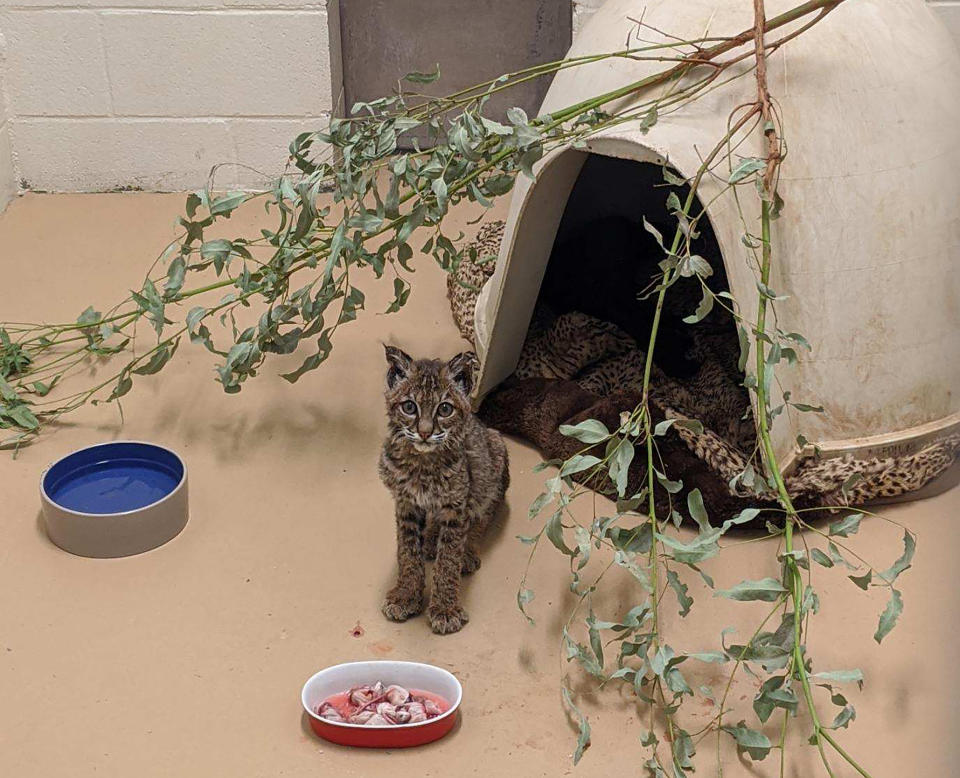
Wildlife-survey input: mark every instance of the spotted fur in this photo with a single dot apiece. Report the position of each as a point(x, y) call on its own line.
point(448, 475)
point(563, 346)
point(464, 283)
point(882, 478)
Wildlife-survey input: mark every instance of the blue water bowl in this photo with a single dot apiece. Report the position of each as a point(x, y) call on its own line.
point(115, 499)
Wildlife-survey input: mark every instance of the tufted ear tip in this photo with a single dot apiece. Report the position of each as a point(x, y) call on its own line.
point(462, 369)
point(399, 362)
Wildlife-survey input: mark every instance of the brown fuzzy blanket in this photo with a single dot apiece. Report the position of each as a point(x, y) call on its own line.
point(533, 409)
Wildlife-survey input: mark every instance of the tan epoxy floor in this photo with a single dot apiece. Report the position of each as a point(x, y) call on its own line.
point(187, 661)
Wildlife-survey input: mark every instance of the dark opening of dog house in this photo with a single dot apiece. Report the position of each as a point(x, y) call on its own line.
point(598, 300)
point(598, 297)
point(584, 353)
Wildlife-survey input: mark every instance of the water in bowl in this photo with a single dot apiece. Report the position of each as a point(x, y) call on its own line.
point(114, 485)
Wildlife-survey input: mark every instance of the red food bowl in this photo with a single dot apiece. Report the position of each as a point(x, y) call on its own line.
point(410, 675)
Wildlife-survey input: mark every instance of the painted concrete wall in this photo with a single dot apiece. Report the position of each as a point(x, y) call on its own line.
point(105, 94)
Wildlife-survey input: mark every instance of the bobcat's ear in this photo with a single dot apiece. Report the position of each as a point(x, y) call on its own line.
point(400, 362)
point(461, 369)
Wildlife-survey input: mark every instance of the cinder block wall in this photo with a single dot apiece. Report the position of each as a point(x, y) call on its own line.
point(114, 94)
point(8, 185)
point(107, 94)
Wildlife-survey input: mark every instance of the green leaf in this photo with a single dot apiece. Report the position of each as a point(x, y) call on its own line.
point(517, 116)
point(697, 510)
point(704, 546)
point(583, 726)
point(175, 276)
point(711, 657)
point(524, 597)
point(124, 385)
point(89, 316)
point(194, 317)
point(841, 676)
point(626, 561)
point(149, 301)
point(903, 563)
point(744, 347)
point(401, 292)
point(595, 643)
point(649, 119)
point(224, 206)
point(844, 717)
point(807, 408)
point(888, 619)
point(654, 768)
point(672, 178)
point(671, 486)
point(314, 361)
point(217, 251)
point(620, 465)
point(538, 504)
point(703, 309)
point(367, 221)
point(691, 424)
point(7, 392)
point(588, 431)
point(847, 526)
point(766, 589)
point(836, 556)
point(820, 558)
point(554, 531)
point(774, 695)
point(654, 231)
point(23, 417)
point(160, 357)
point(193, 202)
point(754, 743)
point(680, 589)
point(42, 389)
point(810, 601)
point(863, 581)
point(578, 463)
point(746, 168)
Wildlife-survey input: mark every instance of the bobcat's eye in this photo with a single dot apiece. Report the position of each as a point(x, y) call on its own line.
point(444, 409)
point(409, 407)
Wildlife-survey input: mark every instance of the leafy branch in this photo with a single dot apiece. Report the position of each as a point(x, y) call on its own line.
point(646, 550)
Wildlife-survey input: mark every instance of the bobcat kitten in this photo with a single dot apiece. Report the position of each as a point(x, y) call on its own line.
point(448, 475)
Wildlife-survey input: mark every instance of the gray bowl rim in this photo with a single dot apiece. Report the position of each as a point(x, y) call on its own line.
point(48, 499)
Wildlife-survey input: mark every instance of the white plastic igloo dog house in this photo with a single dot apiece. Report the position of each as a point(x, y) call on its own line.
point(868, 245)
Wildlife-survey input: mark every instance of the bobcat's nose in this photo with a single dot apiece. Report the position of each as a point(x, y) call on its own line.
point(424, 432)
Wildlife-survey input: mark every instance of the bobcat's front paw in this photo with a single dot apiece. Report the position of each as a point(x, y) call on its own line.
point(400, 604)
point(443, 621)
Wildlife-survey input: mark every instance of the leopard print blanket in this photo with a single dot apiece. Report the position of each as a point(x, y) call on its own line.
point(603, 360)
